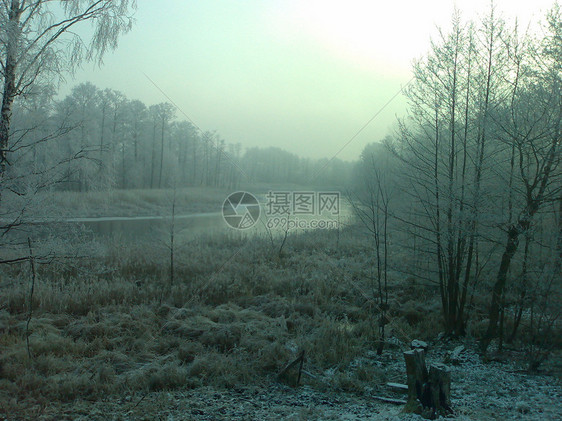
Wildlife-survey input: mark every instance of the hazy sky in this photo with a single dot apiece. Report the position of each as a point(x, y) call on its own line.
point(301, 75)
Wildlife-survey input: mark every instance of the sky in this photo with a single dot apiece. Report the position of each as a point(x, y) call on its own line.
point(304, 75)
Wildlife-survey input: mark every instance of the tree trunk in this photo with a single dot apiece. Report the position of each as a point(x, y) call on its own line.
point(123, 175)
point(102, 132)
point(153, 155)
point(9, 91)
point(161, 154)
point(136, 141)
point(194, 156)
point(521, 226)
point(523, 294)
point(501, 278)
point(172, 231)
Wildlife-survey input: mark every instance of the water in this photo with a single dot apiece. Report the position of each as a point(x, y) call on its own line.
point(158, 229)
point(151, 227)
point(198, 225)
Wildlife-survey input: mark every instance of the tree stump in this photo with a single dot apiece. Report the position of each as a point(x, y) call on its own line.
point(429, 392)
point(440, 387)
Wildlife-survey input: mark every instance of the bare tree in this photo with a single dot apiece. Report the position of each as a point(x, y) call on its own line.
point(371, 204)
point(534, 128)
point(443, 143)
point(166, 112)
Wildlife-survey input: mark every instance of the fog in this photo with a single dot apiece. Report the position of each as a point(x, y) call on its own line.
point(290, 210)
point(303, 76)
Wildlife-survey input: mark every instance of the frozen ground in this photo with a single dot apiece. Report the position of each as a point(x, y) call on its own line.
point(493, 391)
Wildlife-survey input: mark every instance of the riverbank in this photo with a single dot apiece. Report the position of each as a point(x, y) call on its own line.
point(121, 338)
point(131, 203)
point(134, 202)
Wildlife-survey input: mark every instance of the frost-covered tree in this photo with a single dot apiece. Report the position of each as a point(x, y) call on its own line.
point(445, 143)
point(40, 40)
point(481, 146)
point(532, 126)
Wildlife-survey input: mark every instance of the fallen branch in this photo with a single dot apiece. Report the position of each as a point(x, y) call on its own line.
point(307, 373)
point(398, 386)
point(390, 400)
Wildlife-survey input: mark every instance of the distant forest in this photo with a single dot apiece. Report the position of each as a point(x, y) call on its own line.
point(95, 139)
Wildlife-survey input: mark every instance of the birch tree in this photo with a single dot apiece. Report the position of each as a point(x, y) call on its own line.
point(39, 40)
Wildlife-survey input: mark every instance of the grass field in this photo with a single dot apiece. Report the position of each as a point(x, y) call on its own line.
point(236, 314)
point(141, 202)
point(135, 202)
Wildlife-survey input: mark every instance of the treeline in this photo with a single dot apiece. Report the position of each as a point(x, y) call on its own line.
point(96, 139)
point(274, 165)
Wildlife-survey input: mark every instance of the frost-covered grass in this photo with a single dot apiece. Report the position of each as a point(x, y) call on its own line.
point(133, 202)
point(136, 202)
point(236, 314)
point(130, 202)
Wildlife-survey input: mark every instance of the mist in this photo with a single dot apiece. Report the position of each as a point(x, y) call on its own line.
point(280, 210)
